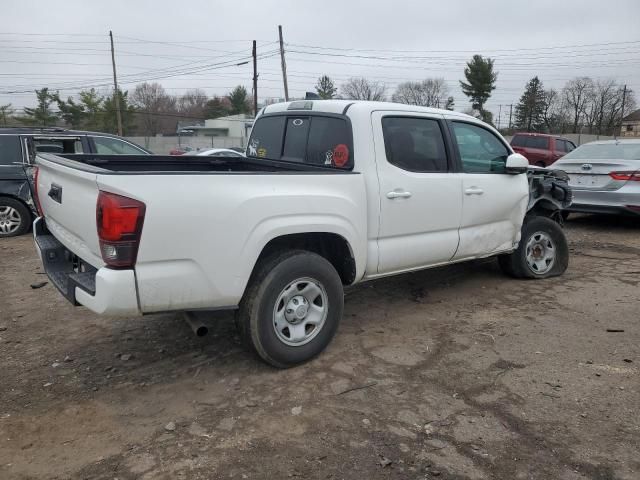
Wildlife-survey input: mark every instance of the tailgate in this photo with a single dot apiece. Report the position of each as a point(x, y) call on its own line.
point(68, 197)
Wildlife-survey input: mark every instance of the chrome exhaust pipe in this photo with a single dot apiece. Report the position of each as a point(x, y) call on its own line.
point(198, 327)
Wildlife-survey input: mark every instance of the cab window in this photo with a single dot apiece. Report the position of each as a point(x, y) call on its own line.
point(481, 151)
point(414, 144)
point(309, 139)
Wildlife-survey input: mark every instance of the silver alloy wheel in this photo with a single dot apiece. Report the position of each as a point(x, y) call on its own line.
point(10, 219)
point(540, 253)
point(300, 312)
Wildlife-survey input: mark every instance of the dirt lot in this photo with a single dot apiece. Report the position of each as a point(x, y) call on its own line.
point(454, 373)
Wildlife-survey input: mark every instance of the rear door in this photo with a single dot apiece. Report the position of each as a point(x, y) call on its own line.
point(493, 202)
point(420, 193)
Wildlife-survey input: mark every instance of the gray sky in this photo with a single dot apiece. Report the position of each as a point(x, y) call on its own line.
point(389, 41)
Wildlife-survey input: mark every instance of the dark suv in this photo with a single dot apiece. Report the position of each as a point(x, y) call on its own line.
point(16, 205)
point(541, 149)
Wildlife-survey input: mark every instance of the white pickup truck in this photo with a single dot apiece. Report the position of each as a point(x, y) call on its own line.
point(331, 193)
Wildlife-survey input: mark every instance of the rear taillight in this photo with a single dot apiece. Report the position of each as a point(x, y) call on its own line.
point(119, 222)
point(36, 174)
point(626, 176)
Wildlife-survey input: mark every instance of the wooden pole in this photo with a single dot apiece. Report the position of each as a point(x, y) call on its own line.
point(116, 95)
point(255, 80)
point(284, 65)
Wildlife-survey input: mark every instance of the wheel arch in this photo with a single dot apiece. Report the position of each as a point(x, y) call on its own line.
point(333, 247)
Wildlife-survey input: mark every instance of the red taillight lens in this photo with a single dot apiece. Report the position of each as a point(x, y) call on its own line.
point(36, 174)
point(119, 222)
point(626, 176)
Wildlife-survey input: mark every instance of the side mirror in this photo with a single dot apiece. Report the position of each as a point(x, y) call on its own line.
point(516, 164)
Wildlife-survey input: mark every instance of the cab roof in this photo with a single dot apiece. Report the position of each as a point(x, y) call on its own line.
point(362, 106)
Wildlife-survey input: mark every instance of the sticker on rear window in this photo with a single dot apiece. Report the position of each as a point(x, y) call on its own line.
point(328, 157)
point(340, 155)
point(262, 152)
point(253, 147)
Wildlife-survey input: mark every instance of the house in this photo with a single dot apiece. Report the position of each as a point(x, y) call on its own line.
point(631, 125)
point(232, 126)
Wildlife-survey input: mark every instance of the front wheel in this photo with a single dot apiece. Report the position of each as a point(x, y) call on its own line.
point(543, 251)
point(292, 308)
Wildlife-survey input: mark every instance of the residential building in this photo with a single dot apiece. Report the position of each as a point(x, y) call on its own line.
point(631, 125)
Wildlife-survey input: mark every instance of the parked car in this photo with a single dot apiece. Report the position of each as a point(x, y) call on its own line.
point(331, 193)
point(216, 152)
point(180, 150)
point(16, 206)
point(604, 176)
point(541, 149)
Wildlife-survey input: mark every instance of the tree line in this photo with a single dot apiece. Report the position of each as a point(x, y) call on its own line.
point(147, 110)
point(582, 105)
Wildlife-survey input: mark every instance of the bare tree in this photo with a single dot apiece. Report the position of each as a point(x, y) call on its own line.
point(193, 103)
point(6, 111)
point(157, 110)
point(359, 88)
point(431, 92)
point(577, 93)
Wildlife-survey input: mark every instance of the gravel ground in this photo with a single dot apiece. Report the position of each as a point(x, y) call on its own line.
point(452, 373)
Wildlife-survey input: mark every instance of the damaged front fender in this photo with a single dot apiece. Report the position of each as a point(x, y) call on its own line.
point(549, 192)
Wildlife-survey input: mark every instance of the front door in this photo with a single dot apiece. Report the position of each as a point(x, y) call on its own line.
point(493, 202)
point(420, 196)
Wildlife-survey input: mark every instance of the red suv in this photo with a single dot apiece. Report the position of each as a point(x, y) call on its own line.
point(541, 149)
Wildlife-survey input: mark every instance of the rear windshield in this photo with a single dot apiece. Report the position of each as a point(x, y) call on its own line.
point(605, 151)
point(310, 139)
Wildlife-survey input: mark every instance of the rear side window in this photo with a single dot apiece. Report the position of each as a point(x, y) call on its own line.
point(414, 144)
point(314, 140)
point(115, 146)
point(10, 152)
point(58, 145)
point(561, 145)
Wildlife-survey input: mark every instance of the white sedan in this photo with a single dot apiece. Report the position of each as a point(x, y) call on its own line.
point(216, 152)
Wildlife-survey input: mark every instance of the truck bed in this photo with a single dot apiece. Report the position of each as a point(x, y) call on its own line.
point(188, 164)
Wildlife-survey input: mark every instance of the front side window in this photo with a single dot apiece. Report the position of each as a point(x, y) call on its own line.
point(115, 146)
point(414, 144)
point(561, 145)
point(10, 151)
point(480, 150)
point(314, 140)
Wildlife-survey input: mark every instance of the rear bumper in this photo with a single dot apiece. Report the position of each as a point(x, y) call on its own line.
point(103, 290)
point(625, 201)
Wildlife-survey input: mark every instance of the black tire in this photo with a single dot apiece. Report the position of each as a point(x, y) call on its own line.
point(255, 317)
point(17, 208)
point(516, 265)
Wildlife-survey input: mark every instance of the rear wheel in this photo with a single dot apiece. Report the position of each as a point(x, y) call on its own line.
point(15, 217)
point(292, 308)
point(543, 251)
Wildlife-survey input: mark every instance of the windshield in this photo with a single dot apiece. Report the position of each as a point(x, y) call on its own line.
point(605, 151)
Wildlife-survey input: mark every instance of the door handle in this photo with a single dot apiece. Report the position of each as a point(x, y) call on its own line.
point(473, 191)
point(398, 194)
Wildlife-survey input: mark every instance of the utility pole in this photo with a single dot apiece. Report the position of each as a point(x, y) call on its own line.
point(116, 95)
point(499, 115)
point(255, 80)
point(510, 114)
point(284, 65)
point(624, 97)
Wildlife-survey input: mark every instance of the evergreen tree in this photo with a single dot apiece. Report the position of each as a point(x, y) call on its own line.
point(42, 114)
point(215, 108)
point(6, 111)
point(530, 109)
point(127, 113)
point(239, 99)
point(325, 88)
point(481, 81)
point(93, 105)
